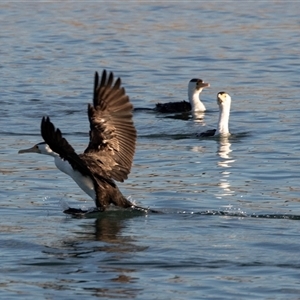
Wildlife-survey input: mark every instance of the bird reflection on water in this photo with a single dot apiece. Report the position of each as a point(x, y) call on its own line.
point(102, 245)
point(225, 161)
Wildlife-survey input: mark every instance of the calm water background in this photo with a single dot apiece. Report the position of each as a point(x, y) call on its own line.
point(208, 244)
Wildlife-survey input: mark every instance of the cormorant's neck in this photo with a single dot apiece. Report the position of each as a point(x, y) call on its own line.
point(53, 154)
point(45, 149)
point(194, 98)
point(223, 124)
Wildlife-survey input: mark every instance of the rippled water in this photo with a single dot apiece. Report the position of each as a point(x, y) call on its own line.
point(231, 223)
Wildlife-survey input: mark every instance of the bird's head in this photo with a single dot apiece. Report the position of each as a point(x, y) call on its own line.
point(196, 85)
point(41, 148)
point(223, 98)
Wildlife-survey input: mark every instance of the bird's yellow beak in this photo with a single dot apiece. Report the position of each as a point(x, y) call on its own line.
point(34, 149)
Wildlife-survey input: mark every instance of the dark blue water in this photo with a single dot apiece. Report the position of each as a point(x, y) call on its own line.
point(230, 228)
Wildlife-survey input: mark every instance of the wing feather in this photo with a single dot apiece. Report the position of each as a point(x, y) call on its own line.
point(112, 132)
point(58, 144)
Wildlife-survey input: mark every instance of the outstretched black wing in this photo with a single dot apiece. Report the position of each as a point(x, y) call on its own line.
point(112, 132)
point(60, 145)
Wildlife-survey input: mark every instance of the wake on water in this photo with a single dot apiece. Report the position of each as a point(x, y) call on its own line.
point(94, 212)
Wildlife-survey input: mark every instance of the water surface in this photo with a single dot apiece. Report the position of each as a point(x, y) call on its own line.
point(230, 228)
